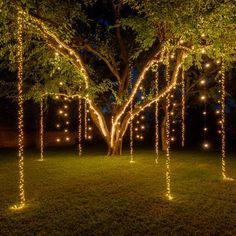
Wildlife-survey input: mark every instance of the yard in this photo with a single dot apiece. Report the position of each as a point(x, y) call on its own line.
point(100, 195)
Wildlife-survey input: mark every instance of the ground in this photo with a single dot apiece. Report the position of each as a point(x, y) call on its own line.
point(99, 195)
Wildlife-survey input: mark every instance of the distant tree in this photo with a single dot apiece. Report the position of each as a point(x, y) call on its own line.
point(95, 45)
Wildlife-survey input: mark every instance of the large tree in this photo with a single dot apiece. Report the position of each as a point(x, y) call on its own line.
point(105, 50)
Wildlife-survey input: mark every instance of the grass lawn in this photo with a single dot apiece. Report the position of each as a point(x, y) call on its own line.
point(97, 195)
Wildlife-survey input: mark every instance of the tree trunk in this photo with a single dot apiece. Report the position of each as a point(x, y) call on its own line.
point(116, 149)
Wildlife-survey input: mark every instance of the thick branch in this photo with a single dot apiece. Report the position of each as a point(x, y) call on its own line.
point(162, 93)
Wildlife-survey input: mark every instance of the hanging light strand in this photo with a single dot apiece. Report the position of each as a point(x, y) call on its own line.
point(131, 123)
point(85, 120)
point(183, 110)
point(41, 130)
point(156, 116)
point(79, 127)
point(168, 133)
point(222, 122)
point(20, 110)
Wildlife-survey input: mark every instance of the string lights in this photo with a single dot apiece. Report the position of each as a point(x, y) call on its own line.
point(222, 122)
point(85, 120)
point(79, 127)
point(183, 109)
point(156, 116)
point(168, 134)
point(203, 98)
point(20, 110)
point(41, 130)
point(131, 124)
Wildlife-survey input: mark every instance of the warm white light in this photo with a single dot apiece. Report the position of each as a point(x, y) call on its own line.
point(203, 51)
point(60, 111)
point(203, 97)
point(61, 83)
point(206, 145)
point(58, 140)
point(207, 65)
point(202, 81)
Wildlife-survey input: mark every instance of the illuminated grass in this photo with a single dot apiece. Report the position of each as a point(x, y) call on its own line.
point(97, 195)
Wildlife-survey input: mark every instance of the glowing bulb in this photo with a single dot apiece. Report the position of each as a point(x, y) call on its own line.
point(203, 35)
point(90, 128)
point(207, 65)
point(56, 54)
point(203, 51)
point(203, 97)
point(67, 139)
point(61, 83)
point(60, 111)
point(142, 127)
point(57, 97)
point(205, 129)
point(181, 41)
point(142, 117)
point(202, 81)
point(136, 129)
point(172, 139)
point(217, 112)
point(66, 114)
point(142, 97)
point(60, 46)
point(89, 137)
point(58, 126)
point(66, 130)
point(58, 140)
point(204, 113)
point(206, 145)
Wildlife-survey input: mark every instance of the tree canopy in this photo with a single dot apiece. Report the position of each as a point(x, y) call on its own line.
point(93, 47)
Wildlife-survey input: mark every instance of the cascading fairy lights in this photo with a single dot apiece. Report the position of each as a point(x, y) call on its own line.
point(183, 109)
point(79, 127)
point(41, 130)
point(156, 116)
point(131, 124)
point(222, 122)
point(203, 98)
point(168, 134)
point(85, 120)
point(20, 110)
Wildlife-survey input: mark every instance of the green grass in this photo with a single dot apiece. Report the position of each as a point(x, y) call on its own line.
point(97, 195)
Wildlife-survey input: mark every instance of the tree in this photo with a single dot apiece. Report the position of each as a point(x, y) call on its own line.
point(97, 43)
